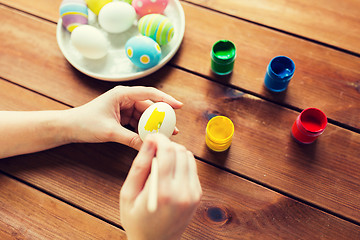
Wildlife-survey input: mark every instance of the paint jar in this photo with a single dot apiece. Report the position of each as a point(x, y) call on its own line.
point(219, 133)
point(278, 74)
point(223, 55)
point(309, 125)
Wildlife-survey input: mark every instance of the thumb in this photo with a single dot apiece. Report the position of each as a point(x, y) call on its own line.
point(139, 171)
point(127, 137)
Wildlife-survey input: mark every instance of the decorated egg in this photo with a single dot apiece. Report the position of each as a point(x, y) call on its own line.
point(158, 118)
point(73, 13)
point(89, 41)
point(143, 51)
point(96, 5)
point(157, 27)
point(144, 7)
point(117, 17)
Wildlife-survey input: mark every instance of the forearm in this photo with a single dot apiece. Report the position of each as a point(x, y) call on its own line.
point(27, 132)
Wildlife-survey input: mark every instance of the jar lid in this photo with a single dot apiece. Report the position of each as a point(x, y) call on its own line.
point(223, 52)
point(220, 130)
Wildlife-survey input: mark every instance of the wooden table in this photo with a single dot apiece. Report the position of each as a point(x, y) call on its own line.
point(265, 187)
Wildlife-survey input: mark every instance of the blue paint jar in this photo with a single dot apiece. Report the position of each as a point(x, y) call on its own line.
point(278, 74)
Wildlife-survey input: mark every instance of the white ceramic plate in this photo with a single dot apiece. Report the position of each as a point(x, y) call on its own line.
point(115, 66)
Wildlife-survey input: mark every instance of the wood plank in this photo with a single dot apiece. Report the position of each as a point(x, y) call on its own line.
point(197, 116)
point(90, 176)
point(47, 9)
point(323, 77)
point(331, 22)
point(26, 213)
point(286, 168)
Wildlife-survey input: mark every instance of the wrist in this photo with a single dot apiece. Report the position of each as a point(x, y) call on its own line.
point(66, 126)
point(57, 124)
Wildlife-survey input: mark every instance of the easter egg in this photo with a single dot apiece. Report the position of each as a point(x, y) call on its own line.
point(157, 27)
point(73, 13)
point(96, 5)
point(158, 118)
point(89, 41)
point(143, 51)
point(144, 7)
point(117, 17)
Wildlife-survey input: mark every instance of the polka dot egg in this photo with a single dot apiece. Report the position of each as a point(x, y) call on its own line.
point(144, 7)
point(73, 13)
point(157, 27)
point(143, 51)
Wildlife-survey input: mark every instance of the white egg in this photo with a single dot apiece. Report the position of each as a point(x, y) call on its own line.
point(159, 117)
point(117, 17)
point(89, 41)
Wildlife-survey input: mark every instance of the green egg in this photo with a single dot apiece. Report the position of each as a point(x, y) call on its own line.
point(157, 27)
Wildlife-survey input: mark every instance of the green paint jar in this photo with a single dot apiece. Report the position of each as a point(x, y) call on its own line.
point(223, 55)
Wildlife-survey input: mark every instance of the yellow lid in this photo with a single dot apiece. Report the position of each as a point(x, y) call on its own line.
point(219, 133)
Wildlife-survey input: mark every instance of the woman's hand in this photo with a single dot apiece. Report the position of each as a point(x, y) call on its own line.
point(178, 193)
point(103, 119)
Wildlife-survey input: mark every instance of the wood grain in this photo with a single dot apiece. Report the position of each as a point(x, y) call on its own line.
point(323, 77)
point(26, 213)
point(325, 174)
point(329, 182)
point(90, 176)
point(331, 22)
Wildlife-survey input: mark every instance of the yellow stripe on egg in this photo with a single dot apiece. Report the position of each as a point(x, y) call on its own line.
point(157, 47)
point(74, 13)
point(149, 25)
point(159, 32)
point(71, 27)
point(170, 34)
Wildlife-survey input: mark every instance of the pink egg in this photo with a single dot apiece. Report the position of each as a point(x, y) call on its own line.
point(144, 7)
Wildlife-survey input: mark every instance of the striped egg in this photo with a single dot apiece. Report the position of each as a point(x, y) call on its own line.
point(157, 27)
point(73, 13)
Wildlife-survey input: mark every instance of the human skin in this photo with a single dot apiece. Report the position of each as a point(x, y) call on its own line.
point(179, 191)
point(101, 120)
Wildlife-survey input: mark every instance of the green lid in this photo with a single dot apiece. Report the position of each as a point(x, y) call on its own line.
point(223, 54)
point(223, 51)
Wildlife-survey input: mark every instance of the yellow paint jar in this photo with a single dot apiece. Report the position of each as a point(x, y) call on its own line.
point(219, 133)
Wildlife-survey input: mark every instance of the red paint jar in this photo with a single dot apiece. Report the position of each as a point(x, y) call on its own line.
point(309, 125)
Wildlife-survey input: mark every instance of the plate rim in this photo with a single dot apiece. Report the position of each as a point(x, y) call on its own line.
point(132, 76)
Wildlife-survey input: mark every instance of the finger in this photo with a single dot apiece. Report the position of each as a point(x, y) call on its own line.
point(141, 106)
point(139, 171)
point(182, 168)
point(126, 115)
point(127, 137)
point(193, 175)
point(176, 131)
point(166, 157)
point(134, 123)
point(149, 93)
point(153, 189)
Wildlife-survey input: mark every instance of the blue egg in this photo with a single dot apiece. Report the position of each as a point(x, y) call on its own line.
point(143, 51)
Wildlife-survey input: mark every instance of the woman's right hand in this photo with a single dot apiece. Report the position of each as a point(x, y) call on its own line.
point(178, 195)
